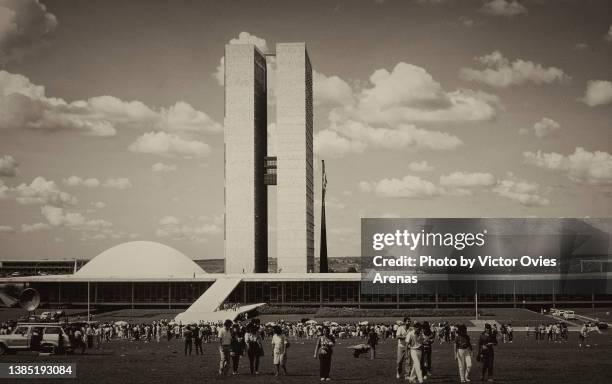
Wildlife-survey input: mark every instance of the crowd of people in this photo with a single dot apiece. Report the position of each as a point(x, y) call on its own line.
point(234, 339)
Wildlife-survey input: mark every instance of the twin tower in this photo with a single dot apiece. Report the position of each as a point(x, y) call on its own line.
point(250, 170)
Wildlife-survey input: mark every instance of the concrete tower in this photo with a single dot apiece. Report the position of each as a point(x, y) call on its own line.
point(295, 204)
point(246, 196)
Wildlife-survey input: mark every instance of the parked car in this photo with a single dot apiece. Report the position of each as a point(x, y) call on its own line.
point(556, 312)
point(21, 338)
point(569, 315)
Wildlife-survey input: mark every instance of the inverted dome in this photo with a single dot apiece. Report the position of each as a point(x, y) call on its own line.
point(140, 259)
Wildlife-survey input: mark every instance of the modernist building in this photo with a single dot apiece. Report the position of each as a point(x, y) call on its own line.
point(40, 267)
point(149, 274)
point(246, 195)
point(250, 170)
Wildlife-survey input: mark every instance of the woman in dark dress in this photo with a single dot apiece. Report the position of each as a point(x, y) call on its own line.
point(323, 351)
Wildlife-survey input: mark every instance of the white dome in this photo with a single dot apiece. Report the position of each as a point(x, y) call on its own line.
point(140, 259)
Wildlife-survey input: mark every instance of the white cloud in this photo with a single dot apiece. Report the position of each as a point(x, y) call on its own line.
point(161, 167)
point(331, 90)
point(507, 8)
point(42, 191)
point(8, 166)
point(420, 166)
point(6, 229)
point(331, 203)
point(542, 128)
point(171, 227)
point(36, 227)
point(409, 186)
point(169, 220)
point(608, 36)
point(118, 183)
point(500, 72)
point(388, 216)
point(581, 46)
point(24, 24)
point(75, 181)
point(243, 38)
point(352, 136)
point(98, 204)
point(582, 166)
point(381, 113)
point(598, 92)
point(92, 182)
point(329, 144)
point(58, 217)
point(410, 94)
point(164, 144)
point(466, 21)
point(545, 127)
point(403, 136)
point(24, 105)
point(183, 117)
point(4, 190)
point(520, 191)
point(466, 180)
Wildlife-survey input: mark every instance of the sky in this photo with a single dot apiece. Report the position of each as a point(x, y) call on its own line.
point(111, 115)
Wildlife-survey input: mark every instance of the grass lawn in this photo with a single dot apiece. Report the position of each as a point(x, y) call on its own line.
point(523, 361)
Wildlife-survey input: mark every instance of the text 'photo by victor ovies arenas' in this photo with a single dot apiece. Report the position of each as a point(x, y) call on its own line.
point(256, 191)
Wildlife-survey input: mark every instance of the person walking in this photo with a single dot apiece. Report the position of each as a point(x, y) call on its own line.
point(89, 336)
point(188, 339)
point(463, 353)
point(372, 342)
point(78, 340)
point(280, 344)
point(225, 343)
point(486, 343)
point(197, 339)
point(428, 340)
point(254, 347)
point(403, 361)
point(584, 332)
point(414, 343)
point(324, 351)
point(236, 347)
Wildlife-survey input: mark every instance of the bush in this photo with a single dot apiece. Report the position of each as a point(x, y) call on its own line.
point(270, 310)
point(425, 312)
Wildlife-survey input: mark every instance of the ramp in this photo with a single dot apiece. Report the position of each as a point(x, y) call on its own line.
point(194, 317)
point(211, 300)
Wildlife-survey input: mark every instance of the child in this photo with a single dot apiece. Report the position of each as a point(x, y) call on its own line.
point(280, 343)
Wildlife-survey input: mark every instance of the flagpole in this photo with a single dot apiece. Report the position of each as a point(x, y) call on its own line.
point(323, 263)
point(476, 298)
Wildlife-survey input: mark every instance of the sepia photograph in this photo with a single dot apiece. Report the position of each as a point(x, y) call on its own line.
point(256, 191)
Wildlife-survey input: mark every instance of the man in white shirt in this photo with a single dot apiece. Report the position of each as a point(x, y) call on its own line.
point(225, 343)
point(403, 358)
point(414, 342)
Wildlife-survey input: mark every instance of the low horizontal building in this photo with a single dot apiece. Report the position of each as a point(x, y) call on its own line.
point(38, 267)
point(148, 274)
